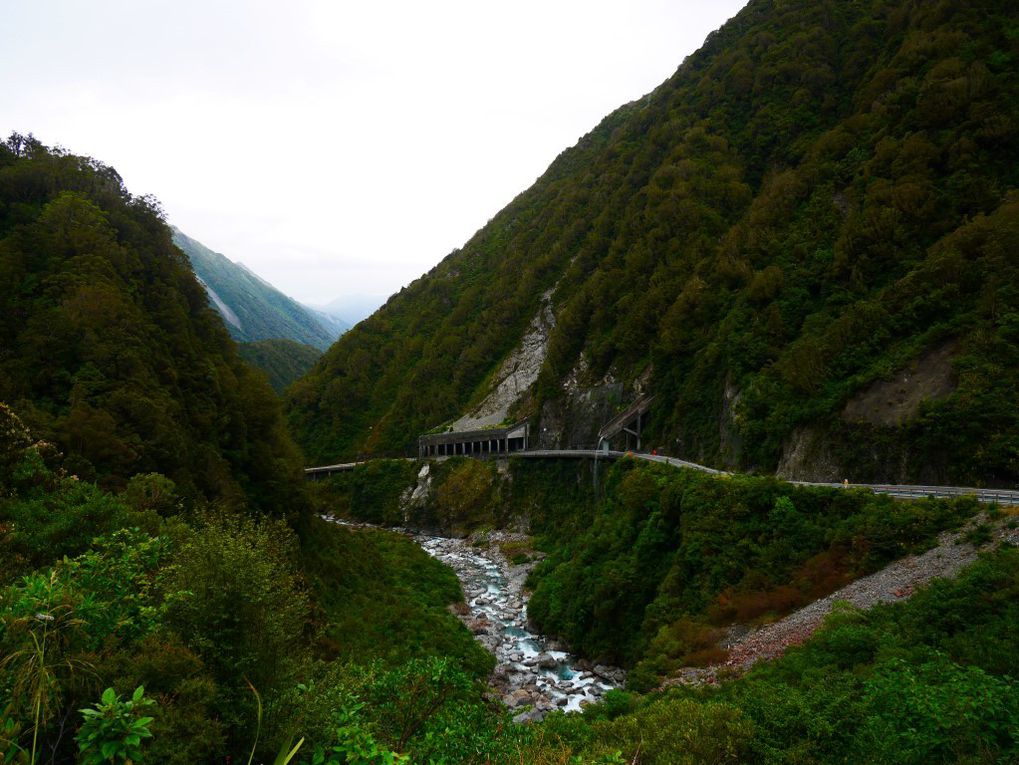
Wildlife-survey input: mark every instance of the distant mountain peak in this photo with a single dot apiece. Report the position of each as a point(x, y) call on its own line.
point(252, 308)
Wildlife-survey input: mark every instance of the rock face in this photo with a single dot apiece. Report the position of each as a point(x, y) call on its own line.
point(730, 442)
point(516, 375)
point(867, 435)
point(806, 456)
point(573, 421)
point(897, 400)
point(532, 677)
point(414, 499)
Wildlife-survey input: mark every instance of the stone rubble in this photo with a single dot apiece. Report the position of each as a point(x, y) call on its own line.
point(896, 581)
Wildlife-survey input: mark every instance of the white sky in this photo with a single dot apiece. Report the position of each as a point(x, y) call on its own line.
point(335, 148)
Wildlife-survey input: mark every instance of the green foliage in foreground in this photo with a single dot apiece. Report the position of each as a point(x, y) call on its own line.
point(198, 606)
point(931, 681)
point(114, 730)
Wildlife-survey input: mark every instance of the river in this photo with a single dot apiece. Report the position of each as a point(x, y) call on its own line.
point(532, 675)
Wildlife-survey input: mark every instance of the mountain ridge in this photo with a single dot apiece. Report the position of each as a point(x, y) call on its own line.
point(115, 356)
point(253, 308)
point(811, 202)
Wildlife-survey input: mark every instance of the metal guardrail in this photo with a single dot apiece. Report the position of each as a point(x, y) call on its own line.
point(906, 491)
point(903, 491)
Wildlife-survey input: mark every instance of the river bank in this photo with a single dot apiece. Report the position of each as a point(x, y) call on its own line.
point(533, 675)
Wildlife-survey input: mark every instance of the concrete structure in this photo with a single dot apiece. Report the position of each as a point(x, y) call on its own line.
point(628, 424)
point(475, 443)
point(1004, 497)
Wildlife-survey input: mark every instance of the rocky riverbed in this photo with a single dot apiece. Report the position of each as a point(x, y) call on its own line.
point(532, 674)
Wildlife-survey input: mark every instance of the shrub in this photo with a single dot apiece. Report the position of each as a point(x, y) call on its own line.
point(114, 730)
point(680, 732)
point(152, 492)
point(464, 496)
point(234, 595)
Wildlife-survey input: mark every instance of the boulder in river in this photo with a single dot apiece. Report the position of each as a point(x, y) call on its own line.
point(545, 661)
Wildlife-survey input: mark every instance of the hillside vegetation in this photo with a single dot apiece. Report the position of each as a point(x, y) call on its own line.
point(180, 610)
point(283, 361)
point(644, 565)
point(165, 594)
point(252, 309)
point(650, 566)
point(820, 202)
point(108, 347)
point(918, 683)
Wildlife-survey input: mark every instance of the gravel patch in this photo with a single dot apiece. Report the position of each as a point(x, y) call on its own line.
point(895, 582)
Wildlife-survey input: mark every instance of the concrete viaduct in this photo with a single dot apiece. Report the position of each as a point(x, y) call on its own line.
point(515, 440)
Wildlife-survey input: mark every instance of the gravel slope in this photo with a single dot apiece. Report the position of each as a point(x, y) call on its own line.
point(895, 582)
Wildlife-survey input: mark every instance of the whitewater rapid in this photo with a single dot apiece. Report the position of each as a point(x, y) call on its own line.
point(531, 673)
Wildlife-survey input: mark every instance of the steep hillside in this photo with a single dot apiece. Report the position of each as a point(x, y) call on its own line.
point(800, 243)
point(108, 347)
point(283, 361)
point(253, 309)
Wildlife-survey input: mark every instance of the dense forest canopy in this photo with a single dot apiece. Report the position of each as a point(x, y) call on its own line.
point(108, 347)
point(282, 360)
point(820, 201)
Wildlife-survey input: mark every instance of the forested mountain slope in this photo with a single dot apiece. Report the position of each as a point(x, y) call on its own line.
point(802, 242)
point(108, 347)
point(253, 309)
point(283, 361)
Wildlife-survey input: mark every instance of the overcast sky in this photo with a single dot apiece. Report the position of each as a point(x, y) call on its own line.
point(335, 148)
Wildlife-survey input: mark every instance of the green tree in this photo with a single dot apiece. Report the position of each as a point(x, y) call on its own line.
point(235, 597)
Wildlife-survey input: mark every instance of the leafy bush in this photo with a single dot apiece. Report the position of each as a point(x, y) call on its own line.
point(383, 597)
point(680, 732)
point(464, 495)
point(233, 593)
point(114, 730)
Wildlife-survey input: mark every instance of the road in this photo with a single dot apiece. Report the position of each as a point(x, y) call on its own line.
point(1000, 496)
